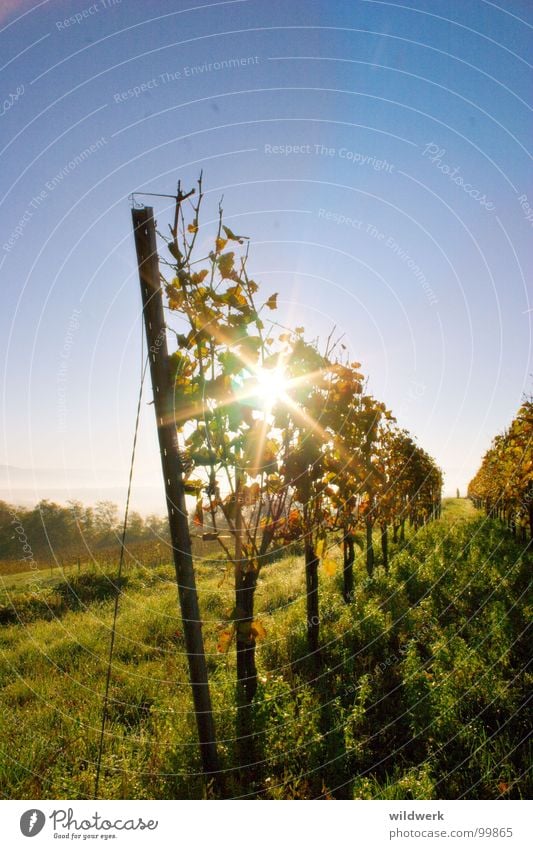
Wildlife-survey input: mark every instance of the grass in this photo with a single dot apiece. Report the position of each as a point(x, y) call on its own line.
point(456, 509)
point(421, 694)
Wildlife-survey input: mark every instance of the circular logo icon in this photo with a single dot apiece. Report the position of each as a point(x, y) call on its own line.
point(32, 822)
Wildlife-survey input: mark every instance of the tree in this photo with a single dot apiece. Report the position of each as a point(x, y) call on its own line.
point(503, 485)
point(106, 522)
point(304, 420)
point(224, 368)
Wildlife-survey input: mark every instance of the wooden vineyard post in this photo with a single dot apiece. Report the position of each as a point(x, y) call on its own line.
point(154, 322)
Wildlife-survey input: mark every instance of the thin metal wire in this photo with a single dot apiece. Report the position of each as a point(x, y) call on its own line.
point(153, 195)
point(177, 197)
point(119, 576)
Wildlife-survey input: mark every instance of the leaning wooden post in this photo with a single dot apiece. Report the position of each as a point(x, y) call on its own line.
point(154, 322)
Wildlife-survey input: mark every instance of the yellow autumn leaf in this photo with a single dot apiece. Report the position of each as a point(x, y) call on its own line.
point(220, 244)
point(258, 630)
point(193, 228)
point(320, 548)
point(272, 302)
point(193, 487)
point(329, 565)
point(225, 264)
point(224, 640)
point(198, 277)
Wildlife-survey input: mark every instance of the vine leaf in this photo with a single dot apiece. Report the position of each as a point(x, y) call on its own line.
point(225, 264)
point(329, 565)
point(199, 276)
point(233, 237)
point(258, 630)
point(199, 513)
point(224, 640)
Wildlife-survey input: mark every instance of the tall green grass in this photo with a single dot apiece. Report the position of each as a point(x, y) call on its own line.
point(421, 695)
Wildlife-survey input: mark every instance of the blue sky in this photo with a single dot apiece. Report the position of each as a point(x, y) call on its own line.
point(377, 154)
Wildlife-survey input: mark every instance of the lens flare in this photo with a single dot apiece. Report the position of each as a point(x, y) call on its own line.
point(271, 384)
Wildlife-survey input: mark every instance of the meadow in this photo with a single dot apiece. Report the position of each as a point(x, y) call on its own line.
point(421, 693)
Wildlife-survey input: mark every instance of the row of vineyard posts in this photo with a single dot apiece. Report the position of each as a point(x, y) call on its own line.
point(319, 463)
point(503, 485)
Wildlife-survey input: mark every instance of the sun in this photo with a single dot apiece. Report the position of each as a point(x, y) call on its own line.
point(272, 384)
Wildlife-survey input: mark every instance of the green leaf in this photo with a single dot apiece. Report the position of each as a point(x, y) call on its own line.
point(250, 346)
point(230, 362)
point(193, 487)
point(233, 237)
